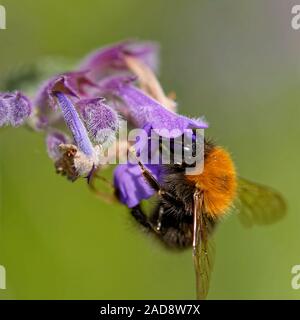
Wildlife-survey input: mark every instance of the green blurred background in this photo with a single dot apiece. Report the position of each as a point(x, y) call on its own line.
point(237, 63)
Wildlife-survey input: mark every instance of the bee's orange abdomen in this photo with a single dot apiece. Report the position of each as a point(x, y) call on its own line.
point(218, 182)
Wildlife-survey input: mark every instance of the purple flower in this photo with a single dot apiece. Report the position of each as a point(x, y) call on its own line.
point(144, 110)
point(53, 141)
point(80, 158)
point(131, 185)
point(73, 98)
point(4, 111)
point(112, 58)
point(57, 100)
point(75, 84)
point(15, 108)
point(75, 124)
point(102, 121)
point(71, 83)
point(147, 113)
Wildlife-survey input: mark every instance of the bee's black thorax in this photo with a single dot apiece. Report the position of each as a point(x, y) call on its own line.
point(176, 183)
point(174, 219)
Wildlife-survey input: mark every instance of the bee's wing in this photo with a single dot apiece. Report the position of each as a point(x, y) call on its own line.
point(257, 204)
point(203, 249)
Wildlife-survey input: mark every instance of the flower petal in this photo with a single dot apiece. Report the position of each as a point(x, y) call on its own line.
point(54, 140)
point(131, 185)
point(143, 110)
point(4, 111)
point(105, 60)
point(15, 108)
point(75, 124)
point(70, 83)
point(20, 109)
point(101, 120)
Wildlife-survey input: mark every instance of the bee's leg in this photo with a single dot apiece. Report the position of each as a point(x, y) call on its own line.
point(141, 218)
point(105, 196)
point(159, 218)
point(154, 184)
point(173, 231)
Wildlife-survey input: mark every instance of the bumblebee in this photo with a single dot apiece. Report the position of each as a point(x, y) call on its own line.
point(190, 206)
